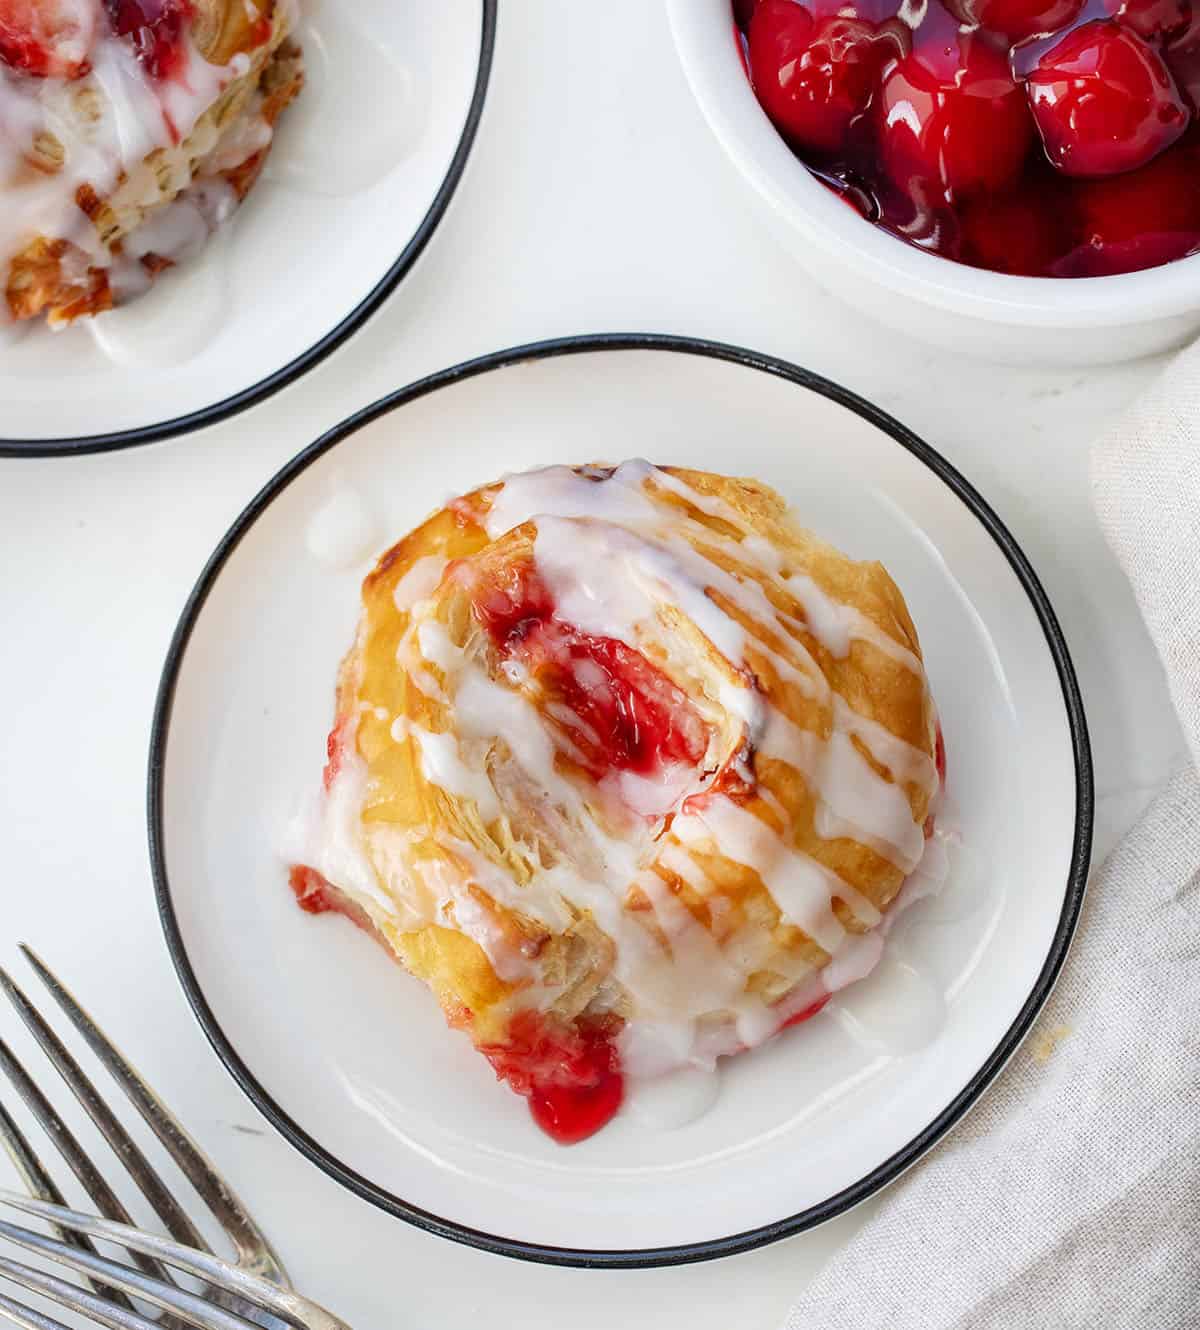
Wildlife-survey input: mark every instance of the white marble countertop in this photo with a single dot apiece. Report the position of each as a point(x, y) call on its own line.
point(595, 201)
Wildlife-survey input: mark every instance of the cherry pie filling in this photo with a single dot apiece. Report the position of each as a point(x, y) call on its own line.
point(1051, 138)
point(156, 28)
point(630, 716)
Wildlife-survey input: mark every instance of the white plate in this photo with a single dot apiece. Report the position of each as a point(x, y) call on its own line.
point(365, 164)
point(351, 1059)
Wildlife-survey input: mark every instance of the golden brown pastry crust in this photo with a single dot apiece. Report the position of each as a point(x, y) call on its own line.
point(416, 829)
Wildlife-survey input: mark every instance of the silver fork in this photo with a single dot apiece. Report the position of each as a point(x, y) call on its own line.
point(253, 1291)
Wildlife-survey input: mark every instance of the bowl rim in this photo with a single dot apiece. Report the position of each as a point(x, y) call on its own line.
point(878, 1177)
point(333, 340)
point(712, 65)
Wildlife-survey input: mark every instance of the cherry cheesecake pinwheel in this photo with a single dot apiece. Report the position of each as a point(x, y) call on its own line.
point(629, 769)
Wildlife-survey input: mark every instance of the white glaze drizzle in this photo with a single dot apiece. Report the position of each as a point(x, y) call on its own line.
point(617, 562)
point(419, 582)
point(330, 837)
point(442, 765)
point(801, 888)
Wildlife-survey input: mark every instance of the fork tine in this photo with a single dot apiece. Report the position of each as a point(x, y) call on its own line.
point(179, 1302)
point(138, 1166)
point(282, 1301)
point(26, 1318)
point(25, 1160)
point(39, 1183)
point(72, 1297)
point(254, 1251)
point(68, 1146)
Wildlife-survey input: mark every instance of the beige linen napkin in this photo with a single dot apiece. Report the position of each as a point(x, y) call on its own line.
point(1071, 1196)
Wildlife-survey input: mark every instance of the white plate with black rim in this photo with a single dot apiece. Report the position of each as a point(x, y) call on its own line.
point(364, 165)
point(350, 1058)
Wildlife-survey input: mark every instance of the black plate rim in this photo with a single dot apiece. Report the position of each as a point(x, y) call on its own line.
point(332, 341)
point(885, 1172)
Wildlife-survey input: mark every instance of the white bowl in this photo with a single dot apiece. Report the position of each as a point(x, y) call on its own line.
point(1039, 320)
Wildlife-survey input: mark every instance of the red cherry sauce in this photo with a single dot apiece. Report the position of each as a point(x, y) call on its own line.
point(1051, 138)
point(260, 31)
point(807, 1014)
point(315, 894)
point(24, 54)
point(335, 748)
point(939, 760)
point(156, 30)
point(570, 1074)
point(45, 38)
point(632, 717)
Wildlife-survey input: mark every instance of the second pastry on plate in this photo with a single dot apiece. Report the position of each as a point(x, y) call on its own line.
point(131, 131)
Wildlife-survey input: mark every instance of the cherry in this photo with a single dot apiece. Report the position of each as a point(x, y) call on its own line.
point(46, 38)
point(1151, 18)
point(1017, 233)
point(1136, 221)
point(156, 29)
point(632, 717)
point(1104, 101)
point(1018, 19)
point(952, 116)
point(1182, 55)
point(814, 75)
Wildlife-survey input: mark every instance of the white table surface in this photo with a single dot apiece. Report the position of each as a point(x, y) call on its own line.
point(595, 200)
